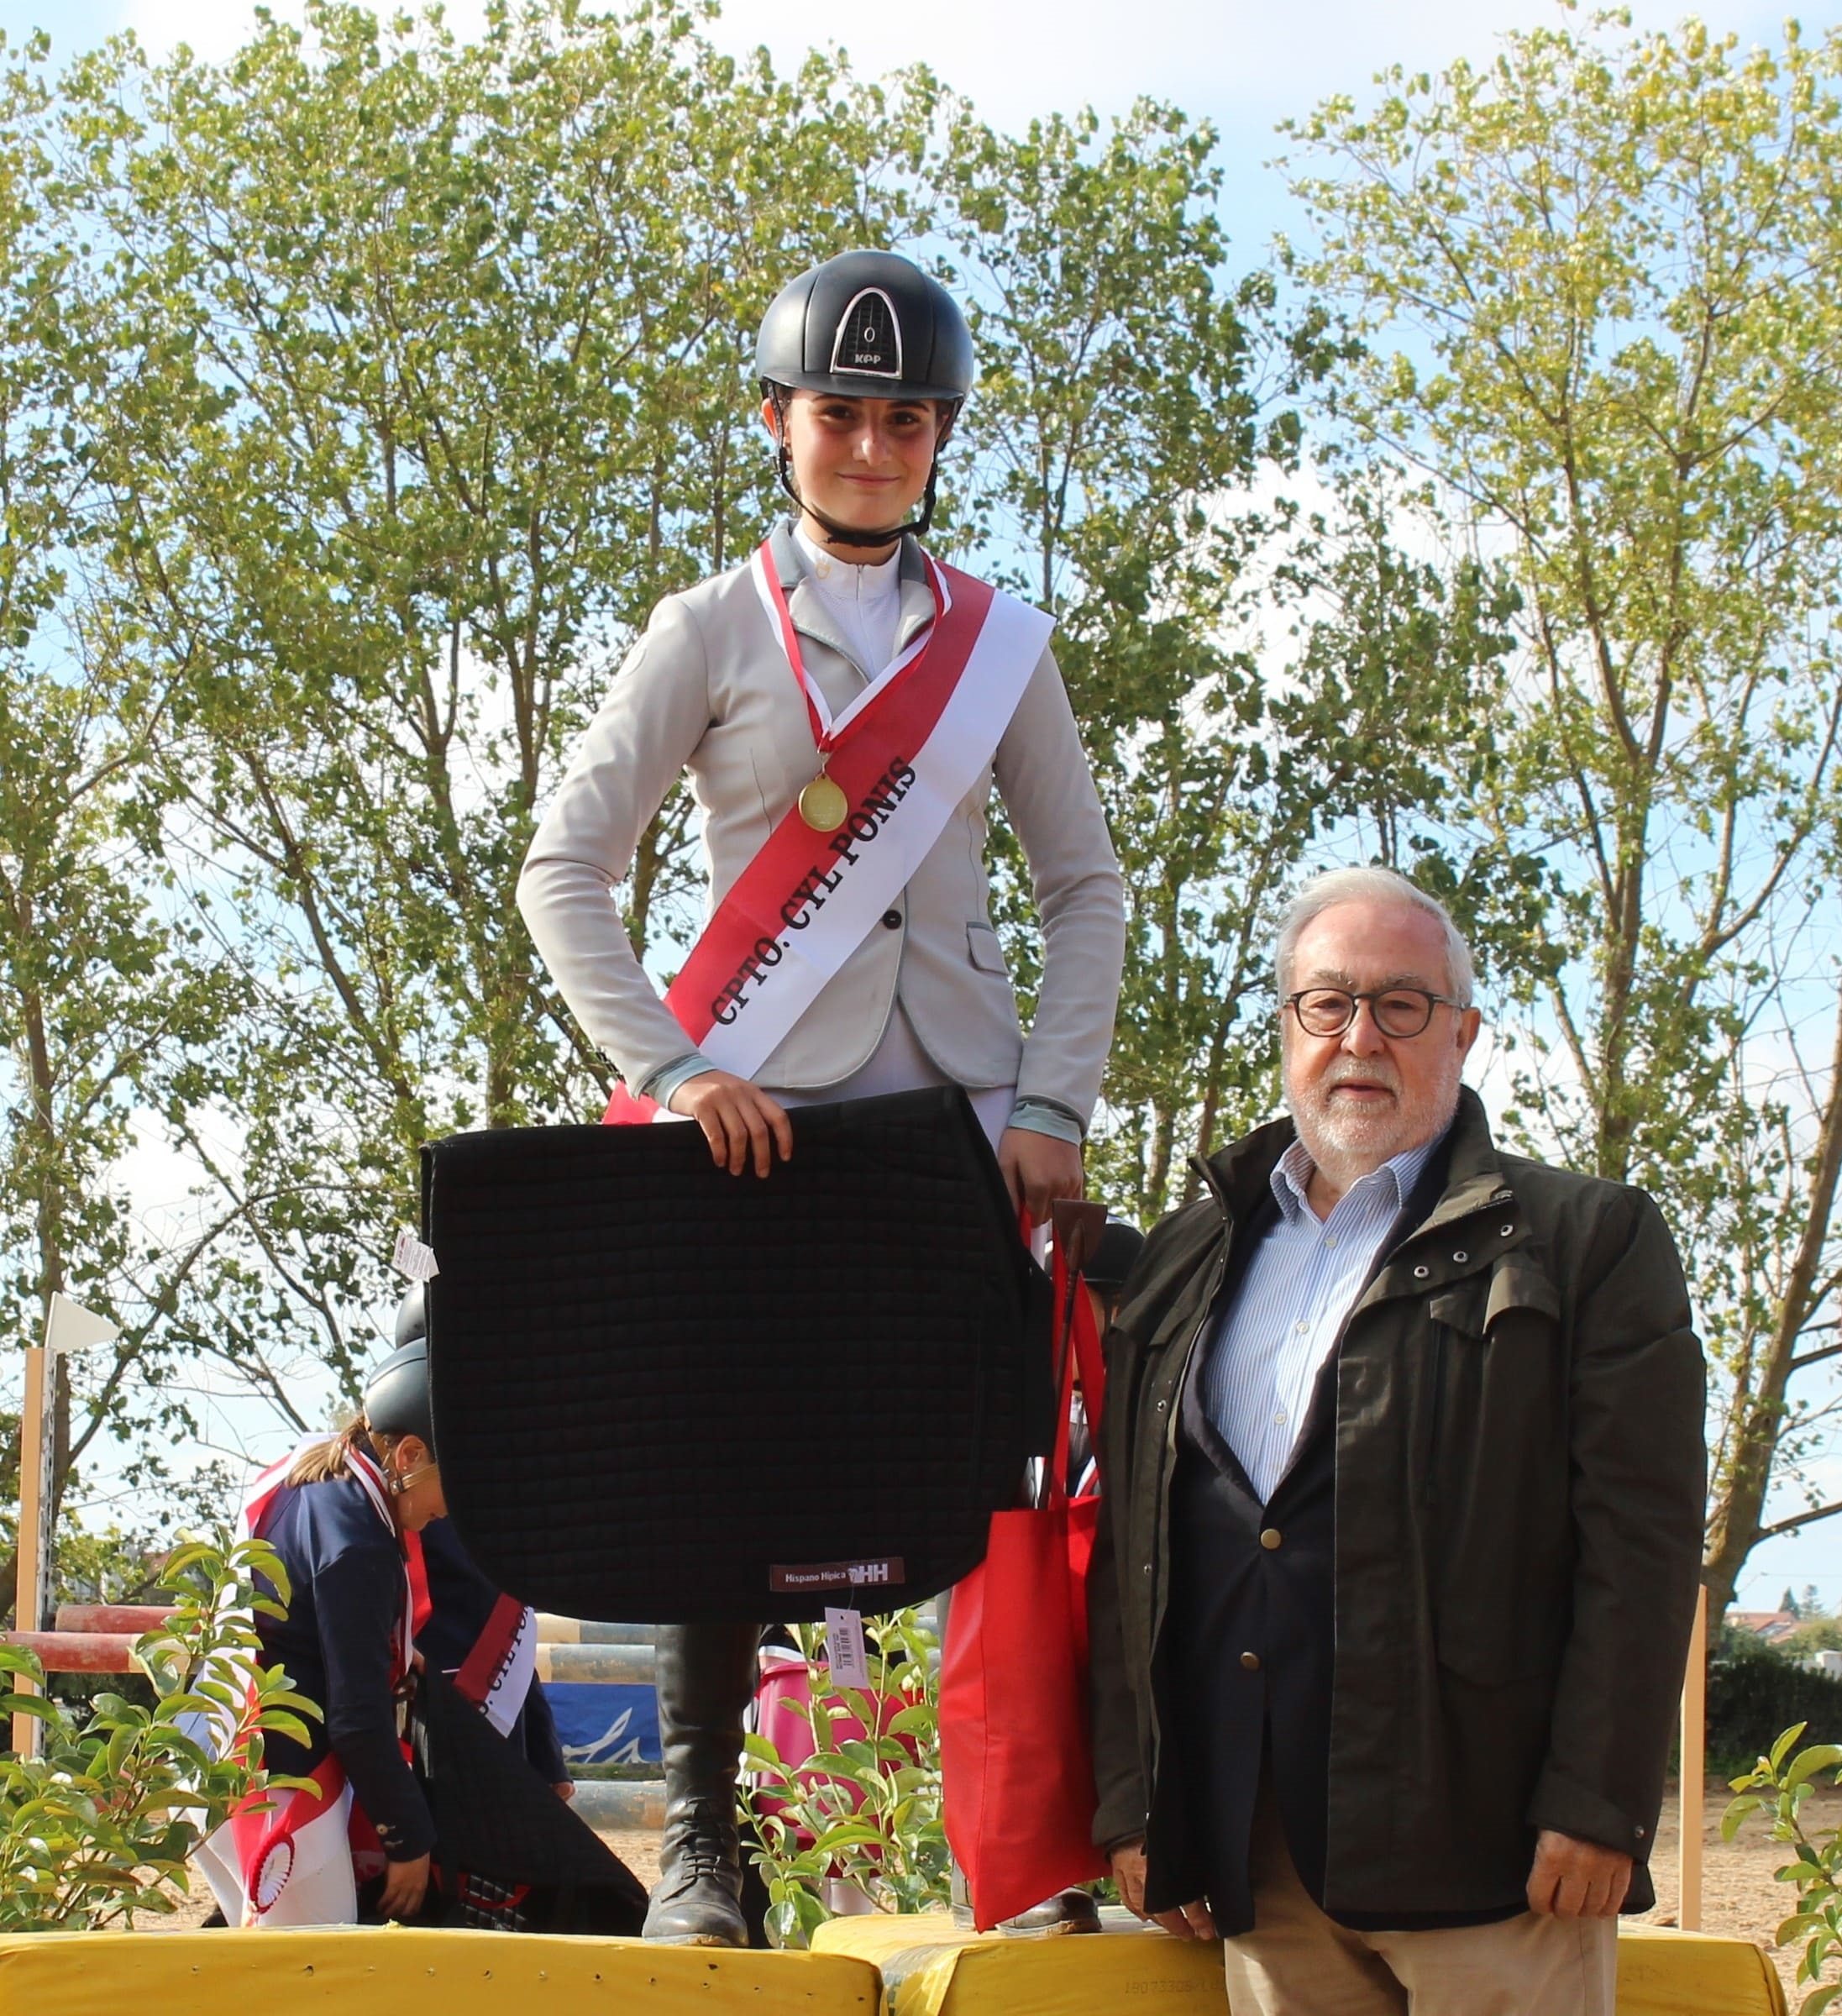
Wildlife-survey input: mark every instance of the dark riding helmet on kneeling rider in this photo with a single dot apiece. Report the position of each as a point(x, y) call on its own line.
point(396, 1394)
point(864, 325)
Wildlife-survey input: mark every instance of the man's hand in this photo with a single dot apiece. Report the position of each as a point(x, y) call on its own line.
point(405, 1886)
point(741, 1123)
point(1577, 1879)
point(565, 1790)
point(1038, 1168)
point(1192, 1922)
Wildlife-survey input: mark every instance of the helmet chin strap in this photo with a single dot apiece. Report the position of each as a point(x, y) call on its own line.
point(848, 535)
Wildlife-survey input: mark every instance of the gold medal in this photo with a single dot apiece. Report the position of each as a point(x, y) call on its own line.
point(823, 805)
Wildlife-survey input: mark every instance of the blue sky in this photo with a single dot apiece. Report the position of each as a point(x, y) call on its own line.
point(1244, 66)
point(1244, 63)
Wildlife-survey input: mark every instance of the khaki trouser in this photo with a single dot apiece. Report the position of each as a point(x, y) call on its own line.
point(1298, 1962)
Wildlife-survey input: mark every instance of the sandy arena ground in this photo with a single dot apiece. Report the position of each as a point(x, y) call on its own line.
point(1739, 1896)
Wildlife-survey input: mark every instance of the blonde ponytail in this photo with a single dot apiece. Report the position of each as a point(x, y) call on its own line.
point(325, 1463)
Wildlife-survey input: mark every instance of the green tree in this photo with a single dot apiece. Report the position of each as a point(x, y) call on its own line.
point(1118, 400)
point(106, 1000)
point(439, 388)
point(1592, 283)
point(1130, 397)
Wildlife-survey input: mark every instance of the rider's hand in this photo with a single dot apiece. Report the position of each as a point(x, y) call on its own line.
point(741, 1123)
point(405, 1886)
point(566, 1790)
point(1038, 1168)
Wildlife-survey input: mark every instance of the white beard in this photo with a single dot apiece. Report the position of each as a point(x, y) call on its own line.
point(1348, 1142)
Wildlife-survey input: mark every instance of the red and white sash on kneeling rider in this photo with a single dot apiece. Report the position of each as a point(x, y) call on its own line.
point(497, 1673)
point(287, 1857)
point(905, 754)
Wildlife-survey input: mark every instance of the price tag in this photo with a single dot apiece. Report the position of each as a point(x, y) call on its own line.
point(412, 1258)
point(844, 1648)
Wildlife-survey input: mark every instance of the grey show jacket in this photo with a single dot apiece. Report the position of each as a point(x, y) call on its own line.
point(708, 689)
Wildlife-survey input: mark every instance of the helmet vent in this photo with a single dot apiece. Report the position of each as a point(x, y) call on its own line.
point(869, 339)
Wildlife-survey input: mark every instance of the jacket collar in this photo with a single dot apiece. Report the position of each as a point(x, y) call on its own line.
point(1475, 1180)
point(807, 607)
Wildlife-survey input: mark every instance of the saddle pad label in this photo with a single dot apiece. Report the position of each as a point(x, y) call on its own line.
point(796, 1580)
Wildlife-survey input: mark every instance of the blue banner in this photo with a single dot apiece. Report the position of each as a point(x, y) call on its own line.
point(599, 1724)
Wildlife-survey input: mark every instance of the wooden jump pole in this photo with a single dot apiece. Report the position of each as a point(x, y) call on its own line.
point(1693, 1777)
point(68, 1327)
point(34, 1534)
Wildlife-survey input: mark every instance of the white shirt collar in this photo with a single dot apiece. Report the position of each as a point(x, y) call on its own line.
point(849, 581)
point(1398, 1174)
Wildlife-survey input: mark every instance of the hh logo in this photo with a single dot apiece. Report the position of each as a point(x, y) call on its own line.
point(809, 1576)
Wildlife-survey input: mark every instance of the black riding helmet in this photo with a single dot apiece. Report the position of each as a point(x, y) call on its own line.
point(865, 325)
point(396, 1394)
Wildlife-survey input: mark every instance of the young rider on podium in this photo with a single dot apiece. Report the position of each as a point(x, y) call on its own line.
point(844, 705)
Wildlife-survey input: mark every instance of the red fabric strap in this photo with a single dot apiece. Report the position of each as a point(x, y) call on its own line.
point(490, 1650)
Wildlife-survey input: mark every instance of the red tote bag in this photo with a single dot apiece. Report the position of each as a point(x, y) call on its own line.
point(1016, 1762)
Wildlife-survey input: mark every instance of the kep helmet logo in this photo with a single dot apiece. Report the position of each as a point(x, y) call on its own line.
point(869, 337)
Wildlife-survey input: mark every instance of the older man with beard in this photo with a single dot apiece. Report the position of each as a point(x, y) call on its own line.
point(1404, 1466)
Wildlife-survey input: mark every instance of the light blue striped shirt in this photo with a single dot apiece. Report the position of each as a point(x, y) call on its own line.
point(1277, 1328)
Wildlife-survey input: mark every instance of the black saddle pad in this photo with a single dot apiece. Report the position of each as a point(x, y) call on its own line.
point(668, 1394)
point(495, 1818)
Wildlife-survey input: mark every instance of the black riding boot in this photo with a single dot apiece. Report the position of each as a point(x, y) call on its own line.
point(706, 1676)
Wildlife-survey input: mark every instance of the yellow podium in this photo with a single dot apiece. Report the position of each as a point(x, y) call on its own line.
point(380, 1971)
point(862, 1966)
point(931, 1968)
point(1664, 1972)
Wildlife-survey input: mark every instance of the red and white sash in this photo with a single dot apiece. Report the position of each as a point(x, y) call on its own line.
point(905, 754)
point(286, 1858)
point(497, 1673)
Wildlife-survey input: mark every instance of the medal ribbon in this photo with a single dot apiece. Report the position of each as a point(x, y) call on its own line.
point(826, 727)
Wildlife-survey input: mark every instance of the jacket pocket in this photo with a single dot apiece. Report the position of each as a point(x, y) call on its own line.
point(1516, 1290)
point(1496, 1477)
point(985, 950)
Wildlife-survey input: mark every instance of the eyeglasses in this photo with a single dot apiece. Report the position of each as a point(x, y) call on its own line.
point(1398, 1011)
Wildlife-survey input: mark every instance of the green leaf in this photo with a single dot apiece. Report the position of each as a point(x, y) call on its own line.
point(1819, 1756)
point(1737, 1811)
point(1781, 1748)
point(279, 1723)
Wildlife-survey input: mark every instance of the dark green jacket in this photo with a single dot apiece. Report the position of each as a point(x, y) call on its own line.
point(1520, 1470)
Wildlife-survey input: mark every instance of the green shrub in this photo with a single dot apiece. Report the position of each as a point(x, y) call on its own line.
point(869, 1804)
point(101, 1823)
point(1753, 1692)
point(1781, 1783)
